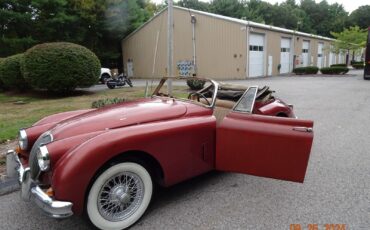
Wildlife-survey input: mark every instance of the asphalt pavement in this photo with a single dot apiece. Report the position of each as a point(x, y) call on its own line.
point(336, 189)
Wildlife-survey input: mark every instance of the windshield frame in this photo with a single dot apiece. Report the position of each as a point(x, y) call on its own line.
point(214, 83)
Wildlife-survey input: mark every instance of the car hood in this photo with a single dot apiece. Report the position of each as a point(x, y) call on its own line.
point(120, 115)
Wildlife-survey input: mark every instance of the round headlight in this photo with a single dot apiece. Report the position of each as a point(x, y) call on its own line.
point(43, 158)
point(23, 141)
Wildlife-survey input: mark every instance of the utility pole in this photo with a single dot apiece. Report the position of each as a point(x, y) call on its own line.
point(170, 46)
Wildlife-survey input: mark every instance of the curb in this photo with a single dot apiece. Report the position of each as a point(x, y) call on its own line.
point(8, 185)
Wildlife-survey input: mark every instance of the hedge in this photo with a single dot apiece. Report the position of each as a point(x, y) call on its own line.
point(360, 65)
point(357, 62)
point(60, 67)
point(338, 65)
point(195, 84)
point(10, 73)
point(334, 70)
point(306, 70)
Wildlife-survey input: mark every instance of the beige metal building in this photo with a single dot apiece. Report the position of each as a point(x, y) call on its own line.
point(220, 47)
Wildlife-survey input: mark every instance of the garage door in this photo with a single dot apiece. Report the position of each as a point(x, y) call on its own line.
point(319, 55)
point(331, 56)
point(285, 55)
point(306, 53)
point(256, 55)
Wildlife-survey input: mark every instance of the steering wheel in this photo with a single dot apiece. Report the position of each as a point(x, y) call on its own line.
point(199, 95)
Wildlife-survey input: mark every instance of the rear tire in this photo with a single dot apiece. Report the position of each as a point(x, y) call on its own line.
point(119, 196)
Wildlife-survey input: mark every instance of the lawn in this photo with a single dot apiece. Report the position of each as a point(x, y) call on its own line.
point(19, 111)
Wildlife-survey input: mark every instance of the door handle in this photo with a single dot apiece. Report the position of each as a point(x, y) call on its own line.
point(303, 129)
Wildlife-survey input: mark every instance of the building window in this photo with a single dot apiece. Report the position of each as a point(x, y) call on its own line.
point(285, 50)
point(304, 50)
point(255, 48)
point(319, 55)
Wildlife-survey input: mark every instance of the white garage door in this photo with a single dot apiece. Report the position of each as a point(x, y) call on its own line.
point(319, 55)
point(331, 56)
point(285, 55)
point(306, 53)
point(256, 55)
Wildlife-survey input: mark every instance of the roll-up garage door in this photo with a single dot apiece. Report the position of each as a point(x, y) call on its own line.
point(306, 53)
point(285, 55)
point(256, 55)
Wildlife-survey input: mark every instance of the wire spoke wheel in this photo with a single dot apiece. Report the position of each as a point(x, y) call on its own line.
point(119, 196)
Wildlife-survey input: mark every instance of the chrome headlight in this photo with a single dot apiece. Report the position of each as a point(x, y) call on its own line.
point(43, 158)
point(23, 141)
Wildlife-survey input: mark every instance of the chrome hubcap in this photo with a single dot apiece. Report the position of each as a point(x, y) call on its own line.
point(120, 196)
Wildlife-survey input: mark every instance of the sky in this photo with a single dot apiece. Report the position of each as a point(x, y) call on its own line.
point(349, 5)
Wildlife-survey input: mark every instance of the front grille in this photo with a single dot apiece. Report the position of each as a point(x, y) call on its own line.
point(43, 139)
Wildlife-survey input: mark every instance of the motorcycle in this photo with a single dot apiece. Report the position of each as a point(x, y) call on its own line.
point(120, 81)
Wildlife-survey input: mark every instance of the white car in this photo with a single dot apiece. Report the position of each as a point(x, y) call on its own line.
point(105, 74)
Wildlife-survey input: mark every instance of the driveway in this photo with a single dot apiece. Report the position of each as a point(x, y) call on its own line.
point(336, 189)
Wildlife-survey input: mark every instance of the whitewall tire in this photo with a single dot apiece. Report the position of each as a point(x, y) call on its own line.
point(119, 196)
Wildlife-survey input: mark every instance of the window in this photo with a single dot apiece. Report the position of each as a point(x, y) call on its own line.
point(246, 102)
point(319, 55)
point(283, 50)
point(304, 50)
point(255, 48)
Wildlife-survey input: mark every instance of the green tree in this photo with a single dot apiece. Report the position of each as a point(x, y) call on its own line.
point(360, 17)
point(194, 4)
point(352, 39)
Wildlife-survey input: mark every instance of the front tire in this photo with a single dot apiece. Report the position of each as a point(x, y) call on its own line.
point(119, 196)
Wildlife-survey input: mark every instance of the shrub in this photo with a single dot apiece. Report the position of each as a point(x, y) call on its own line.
point(60, 67)
point(306, 70)
point(334, 70)
point(360, 65)
point(338, 65)
point(10, 73)
point(195, 84)
point(108, 101)
point(1, 82)
point(356, 62)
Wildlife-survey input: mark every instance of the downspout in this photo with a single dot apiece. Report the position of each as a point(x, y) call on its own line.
point(247, 59)
point(193, 21)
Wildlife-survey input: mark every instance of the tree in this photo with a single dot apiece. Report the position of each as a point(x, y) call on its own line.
point(194, 4)
point(352, 39)
point(360, 17)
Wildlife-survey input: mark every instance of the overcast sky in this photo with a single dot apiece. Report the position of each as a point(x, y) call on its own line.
point(349, 5)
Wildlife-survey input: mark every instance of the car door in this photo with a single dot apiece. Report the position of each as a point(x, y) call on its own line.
point(265, 146)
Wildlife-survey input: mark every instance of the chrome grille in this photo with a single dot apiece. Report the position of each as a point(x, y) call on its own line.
point(44, 138)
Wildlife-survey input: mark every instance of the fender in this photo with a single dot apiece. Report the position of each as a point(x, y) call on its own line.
point(183, 147)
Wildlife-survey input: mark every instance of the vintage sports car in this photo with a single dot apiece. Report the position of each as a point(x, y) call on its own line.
point(105, 162)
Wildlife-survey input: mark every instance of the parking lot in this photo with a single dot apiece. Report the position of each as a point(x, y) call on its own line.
point(336, 189)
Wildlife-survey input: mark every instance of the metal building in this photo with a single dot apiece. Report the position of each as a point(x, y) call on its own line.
point(220, 47)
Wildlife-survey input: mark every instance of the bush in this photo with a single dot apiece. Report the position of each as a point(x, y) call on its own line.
point(334, 70)
point(338, 65)
point(60, 67)
point(10, 73)
point(1, 82)
point(356, 62)
point(108, 101)
point(306, 70)
point(195, 84)
point(360, 65)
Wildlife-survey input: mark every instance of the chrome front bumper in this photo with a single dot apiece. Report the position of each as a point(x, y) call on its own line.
point(31, 191)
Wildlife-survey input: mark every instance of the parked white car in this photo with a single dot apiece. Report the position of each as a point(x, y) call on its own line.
point(105, 74)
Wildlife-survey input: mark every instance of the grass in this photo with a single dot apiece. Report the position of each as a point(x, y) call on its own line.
point(34, 106)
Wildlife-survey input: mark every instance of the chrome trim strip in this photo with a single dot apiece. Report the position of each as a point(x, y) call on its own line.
point(31, 191)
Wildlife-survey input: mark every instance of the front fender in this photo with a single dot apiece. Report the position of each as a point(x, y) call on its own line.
point(177, 145)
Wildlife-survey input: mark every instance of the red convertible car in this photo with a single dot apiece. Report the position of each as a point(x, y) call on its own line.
point(104, 162)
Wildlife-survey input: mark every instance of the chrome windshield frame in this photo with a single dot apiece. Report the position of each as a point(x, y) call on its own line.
point(214, 83)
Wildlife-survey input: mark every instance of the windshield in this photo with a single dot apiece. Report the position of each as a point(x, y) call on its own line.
point(204, 96)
